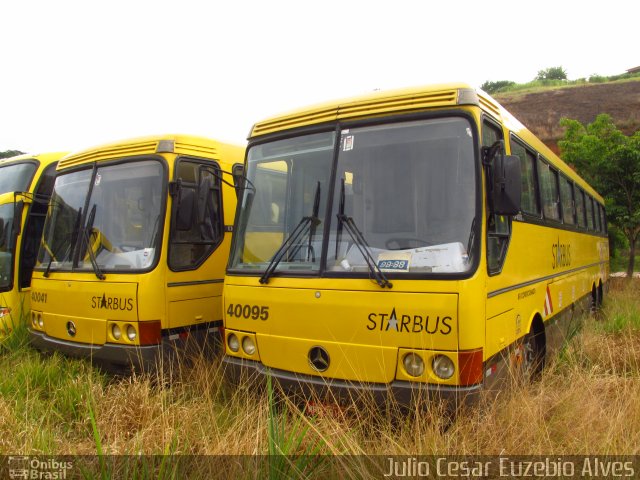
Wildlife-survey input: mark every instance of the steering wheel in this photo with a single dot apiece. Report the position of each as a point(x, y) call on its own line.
point(404, 243)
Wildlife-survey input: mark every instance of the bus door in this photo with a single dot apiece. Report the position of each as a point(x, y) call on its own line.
point(34, 226)
point(196, 263)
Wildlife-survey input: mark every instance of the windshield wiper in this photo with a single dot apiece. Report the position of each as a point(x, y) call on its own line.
point(311, 221)
point(87, 239)
point(359, 241)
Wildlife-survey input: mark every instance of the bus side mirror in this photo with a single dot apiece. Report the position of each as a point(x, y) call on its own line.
point(507, 185)
point(2, 232)
point(185, 209)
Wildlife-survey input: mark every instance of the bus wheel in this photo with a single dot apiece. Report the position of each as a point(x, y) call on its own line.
point(600, 295)
point(596, 301)
point(533, 352)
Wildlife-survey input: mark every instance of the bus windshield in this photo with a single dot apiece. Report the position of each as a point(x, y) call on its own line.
point(285, 215)
point(6, 246)
point(111, 213)
point(16, 177)
point(405, 196)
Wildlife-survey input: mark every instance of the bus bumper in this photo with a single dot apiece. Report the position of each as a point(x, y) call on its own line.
point(402, 393)
point(118, 358)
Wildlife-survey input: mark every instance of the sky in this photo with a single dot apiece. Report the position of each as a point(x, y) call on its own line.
point(75, 74)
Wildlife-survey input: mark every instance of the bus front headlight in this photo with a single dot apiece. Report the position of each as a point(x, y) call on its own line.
point(115, 331)
point(233, 343)
point(413, 364)
point(443, 367)
point(131, 333)
point(248, 346)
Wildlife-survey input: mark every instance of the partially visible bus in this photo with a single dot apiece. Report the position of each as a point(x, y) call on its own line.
point(415, 242)
point(134, 249)
point(26, 182)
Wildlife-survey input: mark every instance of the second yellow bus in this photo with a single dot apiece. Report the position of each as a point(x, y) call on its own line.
point(134, 248)
point(26, 182)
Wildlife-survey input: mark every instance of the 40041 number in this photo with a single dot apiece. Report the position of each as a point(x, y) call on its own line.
point(253, 312)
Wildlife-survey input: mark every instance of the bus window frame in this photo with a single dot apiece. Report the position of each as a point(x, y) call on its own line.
point(555, 172)
point(536, 217)
point(591, 227)
point(48, 172)
point(497, 220)
point(163, 207)
point(32, 161)
point(561, 177)
point(480, 191)
point(201, 161)
point(338, 127)
point(12, 242)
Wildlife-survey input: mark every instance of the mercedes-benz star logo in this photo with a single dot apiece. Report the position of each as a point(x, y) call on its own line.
point(71, 329)
point(319, 359)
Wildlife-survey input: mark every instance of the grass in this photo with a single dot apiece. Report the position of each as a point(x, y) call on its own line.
point(542, 85)
point(585, 403)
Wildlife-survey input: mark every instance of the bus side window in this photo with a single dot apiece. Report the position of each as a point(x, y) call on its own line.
point(549, 190)
point(596, 214)
point(499, 226)
point(530, 203)
point(189, 248)
point(568, 204)
point(589, 212)
point(580, 208)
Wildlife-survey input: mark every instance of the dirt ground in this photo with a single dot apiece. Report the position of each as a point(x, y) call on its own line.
point(541, 111)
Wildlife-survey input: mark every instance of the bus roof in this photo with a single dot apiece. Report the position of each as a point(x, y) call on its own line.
point(379, 102)
point(44, 158)
point(412, 99)
point(168, 143)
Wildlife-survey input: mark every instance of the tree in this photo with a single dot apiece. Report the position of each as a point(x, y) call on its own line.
point(610, 161)
point(493, 87)
point(10, 153)
point(552, 73)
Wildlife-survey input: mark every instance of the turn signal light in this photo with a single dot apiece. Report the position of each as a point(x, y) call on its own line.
point(470, 362)
point(150, 332)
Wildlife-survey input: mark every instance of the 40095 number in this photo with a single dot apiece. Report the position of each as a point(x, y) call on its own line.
point(253, 312)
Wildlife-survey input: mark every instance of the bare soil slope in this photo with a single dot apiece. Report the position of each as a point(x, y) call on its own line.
point(541, 111)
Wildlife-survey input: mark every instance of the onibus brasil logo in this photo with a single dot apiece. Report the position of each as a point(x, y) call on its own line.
point(27, 468)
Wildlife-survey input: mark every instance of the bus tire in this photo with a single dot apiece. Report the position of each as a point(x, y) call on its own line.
point(534, 349)
point(600, 295)
point(595, 300)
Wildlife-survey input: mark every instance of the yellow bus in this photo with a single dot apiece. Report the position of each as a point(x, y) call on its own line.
point(26, 182)
point(412, 242)
point(134, 248)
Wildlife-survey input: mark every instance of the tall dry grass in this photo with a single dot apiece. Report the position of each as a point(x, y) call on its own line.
point(587, 402)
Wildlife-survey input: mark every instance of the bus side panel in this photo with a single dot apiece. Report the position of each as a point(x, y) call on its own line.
point(194, 304)
point(542, 277)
